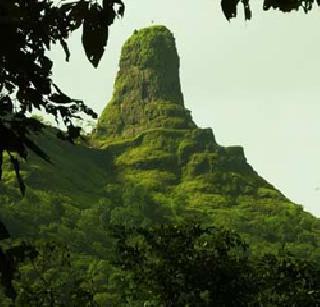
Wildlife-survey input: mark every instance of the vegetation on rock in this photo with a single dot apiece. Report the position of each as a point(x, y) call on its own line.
point(147, 92)
point(147, 164)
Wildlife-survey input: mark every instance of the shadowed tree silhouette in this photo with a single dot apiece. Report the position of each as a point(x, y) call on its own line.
point(28, 30)
point(9, 260)
point(190, 265)
point(230, 7)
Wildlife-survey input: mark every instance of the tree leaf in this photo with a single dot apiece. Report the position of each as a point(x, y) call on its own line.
point(229, 8)
point(65, 48)
point(95, 34)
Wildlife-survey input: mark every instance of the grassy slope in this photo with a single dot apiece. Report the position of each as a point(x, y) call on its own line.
point(187, 168)
point(184, 170)
point(76, 177)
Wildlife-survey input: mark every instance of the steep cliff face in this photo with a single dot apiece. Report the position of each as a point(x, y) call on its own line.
point(153, 139)
point(147, 92)
point(152, 142)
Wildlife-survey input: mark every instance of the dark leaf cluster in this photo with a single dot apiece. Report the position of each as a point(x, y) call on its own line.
point(28, 28)
point(10, 258)
point(54, 283)
point(187, 265)
point(230, 7)
point(195, 266)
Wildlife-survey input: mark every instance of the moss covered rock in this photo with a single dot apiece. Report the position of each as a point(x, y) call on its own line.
point(154, 142)
point(148, 158)
point(147, 92)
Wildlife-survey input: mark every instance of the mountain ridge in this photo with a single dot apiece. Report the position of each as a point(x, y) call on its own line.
point(137, 170)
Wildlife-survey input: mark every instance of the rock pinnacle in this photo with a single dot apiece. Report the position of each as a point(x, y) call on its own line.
point(147, 92)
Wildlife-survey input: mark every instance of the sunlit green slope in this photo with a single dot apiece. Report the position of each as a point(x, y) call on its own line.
point(147, 162)
point(181, 163)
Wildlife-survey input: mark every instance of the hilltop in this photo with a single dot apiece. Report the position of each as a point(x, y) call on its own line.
point(147, 162)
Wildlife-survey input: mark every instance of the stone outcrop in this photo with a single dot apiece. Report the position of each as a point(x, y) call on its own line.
point(146, 139)
point(147, 92)
point(154, 141)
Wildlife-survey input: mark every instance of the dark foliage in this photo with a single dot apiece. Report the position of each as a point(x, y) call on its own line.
point(9, 261)
point(49, 279)
point(230, 7)
point(195, 266)
point(285, 280)
point(28, 29)
point(187, 265)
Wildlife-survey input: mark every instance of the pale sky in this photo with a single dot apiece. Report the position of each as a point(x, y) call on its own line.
point(255, 83)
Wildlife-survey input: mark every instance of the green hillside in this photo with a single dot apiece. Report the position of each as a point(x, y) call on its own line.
point(179, 166)
point(148, 163)
point(157, 145)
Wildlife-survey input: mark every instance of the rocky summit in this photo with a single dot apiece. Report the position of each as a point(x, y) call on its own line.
point(154, 140)
point(147, 92)
point(147, 162)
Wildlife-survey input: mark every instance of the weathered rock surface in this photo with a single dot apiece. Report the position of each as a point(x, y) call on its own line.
point(153, 138)
point(147, 92)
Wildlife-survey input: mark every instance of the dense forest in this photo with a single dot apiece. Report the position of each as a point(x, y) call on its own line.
point(149, 210)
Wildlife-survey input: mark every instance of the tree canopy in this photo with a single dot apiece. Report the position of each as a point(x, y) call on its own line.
point(189, 265)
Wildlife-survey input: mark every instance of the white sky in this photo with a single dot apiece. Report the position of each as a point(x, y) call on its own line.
point(256, 83)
